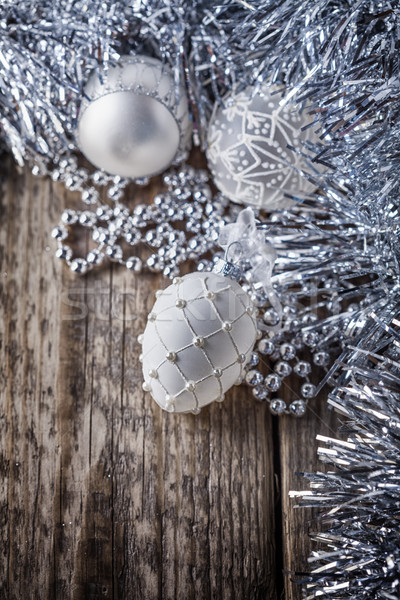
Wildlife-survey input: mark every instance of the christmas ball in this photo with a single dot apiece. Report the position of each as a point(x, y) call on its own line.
point(131, 122)
point(198, 339)
point(247, 148)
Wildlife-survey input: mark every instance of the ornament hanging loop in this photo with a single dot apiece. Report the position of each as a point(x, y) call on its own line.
point(227, 269)
point(236, 254)
point(250, 243)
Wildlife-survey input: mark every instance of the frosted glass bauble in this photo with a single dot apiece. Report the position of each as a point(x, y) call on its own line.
point(131, 123)
point(198, 338)
point(247, 148)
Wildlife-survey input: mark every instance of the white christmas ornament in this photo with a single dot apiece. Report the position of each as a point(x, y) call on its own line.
point(199, 336)
point(131, 121)
point(247, 148)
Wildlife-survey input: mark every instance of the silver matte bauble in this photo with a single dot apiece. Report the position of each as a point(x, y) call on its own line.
point(131, 123)
point(248, 152)
point(198, 339)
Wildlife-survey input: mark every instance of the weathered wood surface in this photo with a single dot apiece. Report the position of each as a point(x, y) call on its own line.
point(103, 495)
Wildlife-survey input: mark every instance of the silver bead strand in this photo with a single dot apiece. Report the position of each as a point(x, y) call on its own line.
point(186, 201)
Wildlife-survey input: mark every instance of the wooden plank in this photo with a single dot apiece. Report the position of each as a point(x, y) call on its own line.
point(105, 495)
point(28, 437)
point(298, 454)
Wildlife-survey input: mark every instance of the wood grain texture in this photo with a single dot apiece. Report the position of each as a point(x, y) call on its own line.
point(297, 455)
point(103, 495)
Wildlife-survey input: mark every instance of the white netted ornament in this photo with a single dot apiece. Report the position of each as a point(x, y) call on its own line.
point(199, 336)
point(201, 331)
point(248, 151)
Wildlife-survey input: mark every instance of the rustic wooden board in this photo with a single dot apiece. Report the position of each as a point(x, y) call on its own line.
point(103, 495)
point(297, 454)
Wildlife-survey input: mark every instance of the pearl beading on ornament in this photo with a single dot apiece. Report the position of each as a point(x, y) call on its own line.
point(188, 325)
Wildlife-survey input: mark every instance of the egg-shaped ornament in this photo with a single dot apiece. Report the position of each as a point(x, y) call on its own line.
point(248, 152)
point(198, 339)
point(133, 121)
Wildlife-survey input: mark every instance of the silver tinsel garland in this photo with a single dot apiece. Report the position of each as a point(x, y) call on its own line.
point(353, 86)
point(361, 497)
point(341, 246)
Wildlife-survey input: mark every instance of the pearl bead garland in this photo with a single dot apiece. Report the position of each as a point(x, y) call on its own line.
point(181, 223)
